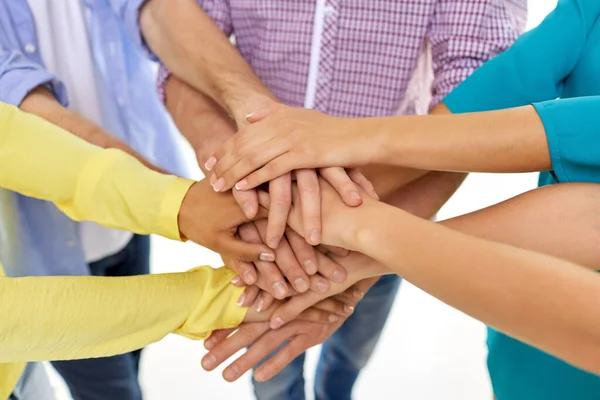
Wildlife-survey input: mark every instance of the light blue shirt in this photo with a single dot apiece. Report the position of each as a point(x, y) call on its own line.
point(35, 238)
point(556, 67)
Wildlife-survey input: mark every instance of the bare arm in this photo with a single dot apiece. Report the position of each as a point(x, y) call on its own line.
point(202, 55)
point(42, 103)
point(503, 286)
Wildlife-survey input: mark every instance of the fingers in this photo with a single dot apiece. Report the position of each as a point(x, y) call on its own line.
point(280, 190)
point(260, 350)
point(319, 284)
point(217, 337)
point(283, 358)
point(270, 277)
point(294, 307)
point(304, 252)
point(362, 181)
point(229, 245)
point(288, 265)
point(249, 296)
point(246, 273)
point(264, 301)
point(341, 182)
point(334, 306)
point(243, 337)
point(330, 269)
point(248, 201)
point(310, 200)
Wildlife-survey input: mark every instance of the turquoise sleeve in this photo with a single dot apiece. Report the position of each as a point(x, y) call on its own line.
point(573, 131)
point(534, 68)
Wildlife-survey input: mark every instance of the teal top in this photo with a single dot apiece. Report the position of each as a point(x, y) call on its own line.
point(555, 67)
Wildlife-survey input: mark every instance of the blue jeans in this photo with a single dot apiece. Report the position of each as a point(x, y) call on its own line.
point(343, 355)
point(116, 377)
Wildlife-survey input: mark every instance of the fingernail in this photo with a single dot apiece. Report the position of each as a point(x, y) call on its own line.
point(210, 163)
point(277, 323)
point(242, 185)
point(231, 373)
point(322, 286)
point(310, 267)
point(209, 362)
point(213, 179)
point(348, 309)
point(338, 276)
point(209, 344)
point(219, 185)
point(248, 276)
point(249, 116)
point(333, 318)
point(236, 281)
point(267, 257)
point(279, 290)
point(357, 294)
point(273, 243)
point(376, 196)
point(301, 285)
point(260, 304)
point(354, 196)
point(240, 301)
point(315, 237)
point(248, 210)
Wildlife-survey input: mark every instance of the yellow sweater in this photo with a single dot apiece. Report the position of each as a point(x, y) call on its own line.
point(59, 318)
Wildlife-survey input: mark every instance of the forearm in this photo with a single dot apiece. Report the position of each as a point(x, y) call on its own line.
point(202, 55)
point(42, 103)
point(204, 124)
point(427, 195)
point(511, 140)
point(503, 286)
point(83, 317)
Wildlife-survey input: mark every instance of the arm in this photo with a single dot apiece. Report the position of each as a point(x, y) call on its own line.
point(506, 287)
point(202, 54)
point(42, 103)
point(501, 285)
point(534, 68)
point(112, 188)
point(87, 317)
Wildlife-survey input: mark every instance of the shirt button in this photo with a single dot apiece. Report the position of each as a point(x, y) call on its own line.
point(120, 101)
point(70, 243)
point(30, 48)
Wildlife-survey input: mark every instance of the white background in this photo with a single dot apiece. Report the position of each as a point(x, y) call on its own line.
point(428, 350)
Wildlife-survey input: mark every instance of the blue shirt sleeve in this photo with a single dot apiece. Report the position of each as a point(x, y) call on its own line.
point(19, 76)
point(534, 68)
point(128, 12)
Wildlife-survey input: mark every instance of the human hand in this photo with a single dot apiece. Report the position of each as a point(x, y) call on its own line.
point(211, 219)
point(359, 267)
point(300, 335)
point(282, 139)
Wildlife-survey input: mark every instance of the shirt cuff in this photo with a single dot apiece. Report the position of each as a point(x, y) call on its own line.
point(217, 308)
point(25, 85)
point(131, 18)
point(169, 210)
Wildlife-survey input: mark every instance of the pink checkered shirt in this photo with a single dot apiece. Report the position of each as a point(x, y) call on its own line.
point(372, 52)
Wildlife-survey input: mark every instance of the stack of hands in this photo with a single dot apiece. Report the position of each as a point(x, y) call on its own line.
point(279, 227)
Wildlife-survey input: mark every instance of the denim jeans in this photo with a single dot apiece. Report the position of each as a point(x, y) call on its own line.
point(343, 355)
point(114, 378)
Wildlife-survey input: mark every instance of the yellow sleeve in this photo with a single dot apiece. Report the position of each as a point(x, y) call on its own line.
point(86, 182)
point(62, 318)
